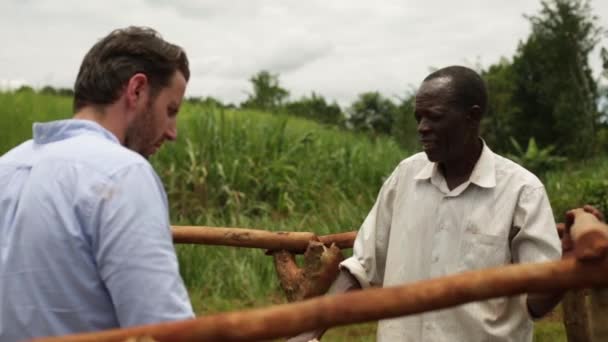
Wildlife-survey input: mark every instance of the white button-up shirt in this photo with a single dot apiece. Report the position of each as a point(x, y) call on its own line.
point(420, 229)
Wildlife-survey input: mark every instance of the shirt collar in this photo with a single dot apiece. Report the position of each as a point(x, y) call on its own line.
point(483, 174)
point(49, 132)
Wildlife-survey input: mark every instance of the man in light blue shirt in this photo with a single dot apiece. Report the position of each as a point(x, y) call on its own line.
point(85, 240)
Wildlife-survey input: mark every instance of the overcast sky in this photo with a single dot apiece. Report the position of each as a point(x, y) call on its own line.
point(338, 48)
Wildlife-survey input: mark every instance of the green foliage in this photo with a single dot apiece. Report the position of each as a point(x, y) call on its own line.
point(25, 89)
point(537, 160)
point(404, 129)
point(267, 93)
point(20, 109)
point(555, 94)
point(209, 101)
point(497, 125)
point(48, 90)
point(577, 184)
point(549, 332)
point(604, 56)
point(316, 108)
point(372, 112)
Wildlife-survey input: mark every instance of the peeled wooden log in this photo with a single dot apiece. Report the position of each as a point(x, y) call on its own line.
point(598, 314)
point(243, 237)
point(369, 305)
point(341, 240)
point(314, 278)
point(590, 236)
point(295, 242)
point(575, 316)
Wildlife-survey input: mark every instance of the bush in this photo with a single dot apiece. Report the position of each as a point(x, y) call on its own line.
point(537, 160)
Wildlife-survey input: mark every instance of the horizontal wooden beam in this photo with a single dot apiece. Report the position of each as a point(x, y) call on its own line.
point(368, 305)
point(295, 242)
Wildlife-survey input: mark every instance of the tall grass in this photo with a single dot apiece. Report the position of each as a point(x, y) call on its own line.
point(18, 110)
point(252, 169)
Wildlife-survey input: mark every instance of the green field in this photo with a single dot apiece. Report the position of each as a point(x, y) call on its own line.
point(239, 168)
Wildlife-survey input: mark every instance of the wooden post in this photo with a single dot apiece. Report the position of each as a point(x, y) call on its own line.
point(574, 303)
point(585, 320)
point(598, 314)
point(575, 316)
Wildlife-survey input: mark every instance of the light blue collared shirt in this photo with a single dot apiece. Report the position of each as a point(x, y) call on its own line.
point(85, 240)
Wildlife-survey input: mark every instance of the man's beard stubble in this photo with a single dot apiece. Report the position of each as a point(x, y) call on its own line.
point(140, 134)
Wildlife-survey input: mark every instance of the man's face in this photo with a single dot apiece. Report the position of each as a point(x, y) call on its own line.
point(442, 127)
point(158, 121)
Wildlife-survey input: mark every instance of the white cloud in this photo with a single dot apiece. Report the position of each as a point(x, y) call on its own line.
point(337, 48)
point(11, 84)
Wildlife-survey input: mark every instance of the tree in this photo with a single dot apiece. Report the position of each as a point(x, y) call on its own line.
point(267, 93)
point(405, 125)
point(316, 108)
point(48, 90)
point(372, 112)
point(497, 125)
point(554, 92)
point(208, 101)
point(25, 89)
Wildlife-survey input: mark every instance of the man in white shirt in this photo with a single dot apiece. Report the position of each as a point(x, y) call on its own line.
point(455, 207)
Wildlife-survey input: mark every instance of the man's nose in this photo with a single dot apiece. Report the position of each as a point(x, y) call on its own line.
point(423, 126)
point(171, 132)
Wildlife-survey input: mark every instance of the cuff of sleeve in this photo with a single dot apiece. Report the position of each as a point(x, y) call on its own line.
point(356, 269)
point(523, 300)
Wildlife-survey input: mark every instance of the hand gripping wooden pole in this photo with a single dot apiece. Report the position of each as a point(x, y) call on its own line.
point(585, 311)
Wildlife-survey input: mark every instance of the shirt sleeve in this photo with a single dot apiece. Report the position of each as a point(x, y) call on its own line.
point(369, 251)
point(134, 252)
point(535, 238)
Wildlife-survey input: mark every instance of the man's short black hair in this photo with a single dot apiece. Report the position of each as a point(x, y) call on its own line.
point(467, 87)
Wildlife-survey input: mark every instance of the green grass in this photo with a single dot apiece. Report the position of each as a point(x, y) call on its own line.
point(259, 170)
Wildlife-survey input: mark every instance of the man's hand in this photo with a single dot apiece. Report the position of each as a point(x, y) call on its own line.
point(564, 229)
point(593, 210)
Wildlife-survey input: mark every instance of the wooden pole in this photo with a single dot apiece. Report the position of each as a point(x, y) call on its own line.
point(585, 320)
point(368, 305)
point(575, 316)
point(295, 242)
point(598, 314)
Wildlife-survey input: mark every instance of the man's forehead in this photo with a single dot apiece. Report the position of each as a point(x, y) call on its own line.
point(436, 85)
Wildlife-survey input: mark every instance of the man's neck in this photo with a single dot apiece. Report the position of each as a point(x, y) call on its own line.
point(459, 171)
point(103, 117)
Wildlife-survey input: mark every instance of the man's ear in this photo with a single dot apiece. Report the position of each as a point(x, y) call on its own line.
point(475, 114)
point(137, 90)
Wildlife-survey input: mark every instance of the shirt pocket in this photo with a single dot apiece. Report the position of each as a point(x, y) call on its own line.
point(479, 250)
